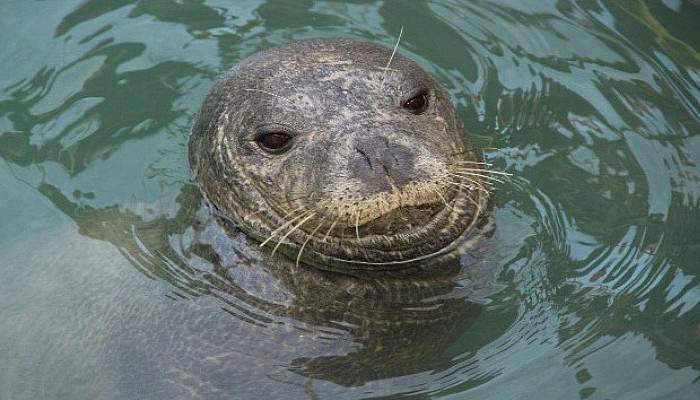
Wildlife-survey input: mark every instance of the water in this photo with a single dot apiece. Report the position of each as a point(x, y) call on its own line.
point(108, 289)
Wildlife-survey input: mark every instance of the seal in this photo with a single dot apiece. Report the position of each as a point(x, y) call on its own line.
point(343, 154)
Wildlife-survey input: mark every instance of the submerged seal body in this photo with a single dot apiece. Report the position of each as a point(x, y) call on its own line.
point(340, 153)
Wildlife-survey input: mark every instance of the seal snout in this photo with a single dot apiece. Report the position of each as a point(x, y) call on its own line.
point(388, 186)
point(382, 166)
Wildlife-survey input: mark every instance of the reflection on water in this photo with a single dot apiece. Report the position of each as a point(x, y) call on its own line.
point(118, 284)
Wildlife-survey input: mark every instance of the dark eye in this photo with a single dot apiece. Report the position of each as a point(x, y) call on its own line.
point(274, 142)
point(417, 104)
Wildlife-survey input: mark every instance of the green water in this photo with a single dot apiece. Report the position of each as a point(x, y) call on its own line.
point(593, 106)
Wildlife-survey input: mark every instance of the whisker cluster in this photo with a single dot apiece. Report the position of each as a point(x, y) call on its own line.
point(472, 176)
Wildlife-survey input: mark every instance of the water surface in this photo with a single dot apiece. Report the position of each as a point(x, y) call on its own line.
point(112, 286)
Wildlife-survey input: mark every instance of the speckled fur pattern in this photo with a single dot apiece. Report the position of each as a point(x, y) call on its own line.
point(366, 185)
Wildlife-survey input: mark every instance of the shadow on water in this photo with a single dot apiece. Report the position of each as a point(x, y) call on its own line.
point(593, 106)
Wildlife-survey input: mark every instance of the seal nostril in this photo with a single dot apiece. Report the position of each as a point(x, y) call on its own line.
point(369, 161)
point(386, 171)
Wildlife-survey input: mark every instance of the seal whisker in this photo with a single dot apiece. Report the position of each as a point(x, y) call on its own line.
point(391, 58)
point(473, 163)
point(469, 197)
point(488, 181)
point(328, 233)
point(476, 204)
point(443, 200)
point(289, 232)
point(301, 250)
point(487, 177)
point(470, 177)
point(498, 177)
point(466, 186)
point(286, 224)
point(482, 170)
point(472, 181)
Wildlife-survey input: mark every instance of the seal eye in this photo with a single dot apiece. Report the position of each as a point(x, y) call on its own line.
point(274, 142)
point(417, 104)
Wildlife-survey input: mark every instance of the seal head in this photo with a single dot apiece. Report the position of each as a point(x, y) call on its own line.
point(339, 153)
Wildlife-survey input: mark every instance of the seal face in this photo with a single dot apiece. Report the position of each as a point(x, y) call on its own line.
point(340, 153)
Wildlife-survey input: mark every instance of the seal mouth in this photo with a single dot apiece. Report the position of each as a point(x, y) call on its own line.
point(373, 223)
point(439, 230)
point(400, 220)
